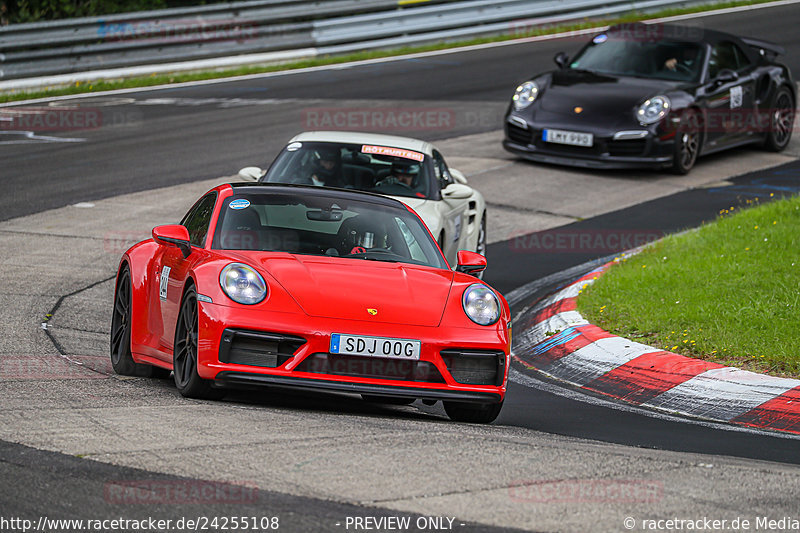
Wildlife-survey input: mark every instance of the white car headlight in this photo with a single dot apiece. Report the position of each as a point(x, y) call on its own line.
point(243, 284)
point(653, 110)
point(481, 304)
point(525, 95)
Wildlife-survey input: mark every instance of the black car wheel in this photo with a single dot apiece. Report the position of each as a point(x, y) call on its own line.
point(781, 121)
point(475, 413)
point(121, 359)
point(184, 359)
point(687, 143)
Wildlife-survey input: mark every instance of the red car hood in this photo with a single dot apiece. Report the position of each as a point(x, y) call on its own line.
point(333, 287)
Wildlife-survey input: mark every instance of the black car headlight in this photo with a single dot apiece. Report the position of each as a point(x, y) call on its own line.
point(243, 284)
point(481, 304)
point(653, 109)
point(525, 95)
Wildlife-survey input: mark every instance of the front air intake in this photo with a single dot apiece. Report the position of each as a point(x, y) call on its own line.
point(256, 348)
point(475, 367)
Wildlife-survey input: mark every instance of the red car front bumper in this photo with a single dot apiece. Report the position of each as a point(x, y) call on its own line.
point(252, 347)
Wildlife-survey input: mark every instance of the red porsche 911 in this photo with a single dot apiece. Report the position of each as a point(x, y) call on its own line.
point(311, 288)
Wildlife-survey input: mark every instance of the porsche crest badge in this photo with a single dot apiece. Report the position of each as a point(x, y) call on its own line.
point(578, 110)
point(371, 311)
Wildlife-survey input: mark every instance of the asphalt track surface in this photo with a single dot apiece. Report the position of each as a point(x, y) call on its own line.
point(148, 146)
point(173, 143)
point(82, 489)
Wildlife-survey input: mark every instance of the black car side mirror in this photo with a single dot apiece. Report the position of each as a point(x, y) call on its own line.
point(726, 75)
point(561, 59)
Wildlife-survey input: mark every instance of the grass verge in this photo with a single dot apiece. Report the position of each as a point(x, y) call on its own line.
point(727, 292)
point(163, 79)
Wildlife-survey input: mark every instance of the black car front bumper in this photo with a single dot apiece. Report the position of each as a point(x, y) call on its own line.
point(605, 153)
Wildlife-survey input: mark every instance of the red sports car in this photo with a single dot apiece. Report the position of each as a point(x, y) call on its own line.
point(311, 288)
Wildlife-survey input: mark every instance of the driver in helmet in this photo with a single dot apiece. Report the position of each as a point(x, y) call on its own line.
point(327, 167)
point(404, 173)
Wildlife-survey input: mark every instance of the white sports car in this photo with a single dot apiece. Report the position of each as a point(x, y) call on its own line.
point(409, 170)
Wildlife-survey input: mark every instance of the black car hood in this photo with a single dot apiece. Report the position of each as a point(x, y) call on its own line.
point(601, 97)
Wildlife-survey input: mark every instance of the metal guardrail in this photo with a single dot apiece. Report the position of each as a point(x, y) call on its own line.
point(167, 35)
point(254, 27)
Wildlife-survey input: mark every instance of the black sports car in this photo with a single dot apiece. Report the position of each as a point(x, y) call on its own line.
point(655, 95)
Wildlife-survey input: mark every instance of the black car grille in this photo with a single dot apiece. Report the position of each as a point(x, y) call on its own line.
point(371, 367)
point(255, 348)
point(517, 134)
point(630, 148)
point(475, 367)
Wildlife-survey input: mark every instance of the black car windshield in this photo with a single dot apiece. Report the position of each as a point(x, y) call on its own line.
point(367, 167)
point(308, 224)
point(659, 59)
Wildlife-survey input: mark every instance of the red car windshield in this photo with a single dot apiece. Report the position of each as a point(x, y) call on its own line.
point(324, 225)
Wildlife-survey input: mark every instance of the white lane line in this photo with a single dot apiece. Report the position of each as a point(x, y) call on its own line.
point(724, 11)
point(596, 359)
point(556, 390)
point(29, 137)
point(419, 55)
point(722, 393)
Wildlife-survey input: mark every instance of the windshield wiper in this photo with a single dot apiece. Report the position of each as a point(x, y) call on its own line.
point(379, 257)
point(375, 255)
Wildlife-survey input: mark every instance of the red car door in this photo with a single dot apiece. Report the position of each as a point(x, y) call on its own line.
point(172, 270)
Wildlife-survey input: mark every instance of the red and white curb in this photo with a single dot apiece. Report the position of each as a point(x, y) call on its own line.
point(557, 341)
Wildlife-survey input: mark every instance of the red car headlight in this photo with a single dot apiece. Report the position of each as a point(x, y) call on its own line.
point(481, 304)
point(243, 284)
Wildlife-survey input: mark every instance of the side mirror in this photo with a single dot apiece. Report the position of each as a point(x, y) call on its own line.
point(173, 235)
point(456, 191)
point(458, 176)
point(561, 59)
point(250, 174)
point(726, 75)
point(470, 262)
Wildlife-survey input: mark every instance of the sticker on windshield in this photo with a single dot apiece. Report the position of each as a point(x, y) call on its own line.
point(736, 96)
point(600, 38)
point(396, 152)
point(294, 147)
point(241, 203)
